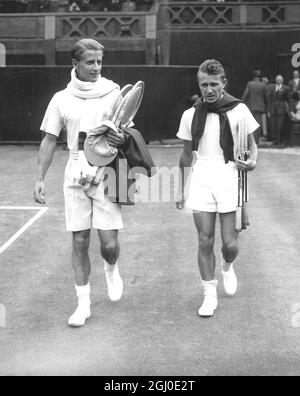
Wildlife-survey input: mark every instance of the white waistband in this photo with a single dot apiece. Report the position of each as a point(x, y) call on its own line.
point(75, 155)
point(210, 158)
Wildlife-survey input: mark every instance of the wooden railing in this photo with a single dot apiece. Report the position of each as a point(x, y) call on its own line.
point(211, 15)
point(76, 25)
point(100, 26)
point(49, 33)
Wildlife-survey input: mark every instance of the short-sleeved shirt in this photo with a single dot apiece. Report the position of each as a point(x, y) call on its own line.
point(209, 144)
point(75, 114)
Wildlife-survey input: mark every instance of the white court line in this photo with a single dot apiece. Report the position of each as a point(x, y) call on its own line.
point(29, 223)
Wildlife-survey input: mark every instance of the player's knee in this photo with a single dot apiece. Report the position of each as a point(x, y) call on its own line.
point(81, 241)
point(110, 248)
point(206, 242)
point(230, 250)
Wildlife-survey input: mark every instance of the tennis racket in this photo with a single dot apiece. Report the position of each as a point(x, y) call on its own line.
point(129, 105)
point(242, 219)
point(90, 184)
point(118, 100)
point(123, 111)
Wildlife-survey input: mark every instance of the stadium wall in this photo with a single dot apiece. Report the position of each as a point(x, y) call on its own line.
point(26, 91)
point(240, 51)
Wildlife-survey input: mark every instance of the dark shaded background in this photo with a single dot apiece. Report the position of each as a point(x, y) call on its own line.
point(26, 91)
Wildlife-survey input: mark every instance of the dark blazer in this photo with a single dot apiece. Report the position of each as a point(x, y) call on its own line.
point(136, 152)
point(255, 97)
point(133, 159)
point(278, 101)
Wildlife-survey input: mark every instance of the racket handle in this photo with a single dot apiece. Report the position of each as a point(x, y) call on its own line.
point(247, 189)
point(245, 217)
point(239, 188)
point(238, 219)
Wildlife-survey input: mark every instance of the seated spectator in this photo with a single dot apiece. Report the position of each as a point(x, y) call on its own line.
point(32, 6)
point(79, 5)
point(99, 5)
point(128, 6)
point(23, 5)
point(115, 5)
point(74, 5)
point(144, 5)
point(13, 6)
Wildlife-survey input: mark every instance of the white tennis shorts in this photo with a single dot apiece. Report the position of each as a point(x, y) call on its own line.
point(82, 212)
point(213, 186)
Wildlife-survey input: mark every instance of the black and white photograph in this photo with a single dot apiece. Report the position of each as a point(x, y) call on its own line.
point(149, 191)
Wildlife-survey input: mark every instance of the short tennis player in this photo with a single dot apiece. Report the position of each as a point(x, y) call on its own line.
point(209, 131)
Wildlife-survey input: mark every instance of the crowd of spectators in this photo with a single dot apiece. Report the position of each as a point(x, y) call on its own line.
point(110, 5)
point(20, 6)
point(275, 105)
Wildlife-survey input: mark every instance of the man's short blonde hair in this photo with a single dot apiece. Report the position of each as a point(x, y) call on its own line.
point(85, 44)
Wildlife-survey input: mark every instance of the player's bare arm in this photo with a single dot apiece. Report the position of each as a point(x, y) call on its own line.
point(46, 153)
point(185, 162)
point(250, 164)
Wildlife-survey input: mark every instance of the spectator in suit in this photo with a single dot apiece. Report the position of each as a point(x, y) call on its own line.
point(294, 84)
point(265, 120)
point(254, 97)
point(294, 114)
point(278, 110)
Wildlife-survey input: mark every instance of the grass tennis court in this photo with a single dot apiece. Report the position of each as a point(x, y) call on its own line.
point(154, 329)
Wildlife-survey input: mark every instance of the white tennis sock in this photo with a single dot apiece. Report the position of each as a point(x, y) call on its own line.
point(210, 301)
point(83, 294)
point(83, 310)
point(226, 266)
point(110, 267)
point(113, 280)
point(229, 278)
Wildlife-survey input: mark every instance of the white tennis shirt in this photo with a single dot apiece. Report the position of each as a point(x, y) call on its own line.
point(76, 114)
point(209, 145)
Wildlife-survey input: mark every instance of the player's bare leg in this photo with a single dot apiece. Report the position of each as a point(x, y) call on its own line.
point(82, 268)
point(205, 224)
point(229, 251)
point(110, 250)
point(80, 257)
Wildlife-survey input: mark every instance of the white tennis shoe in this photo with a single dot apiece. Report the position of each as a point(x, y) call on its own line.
point(229, 279)
point(79, 317)
point(210, 301)
point(114, 282)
